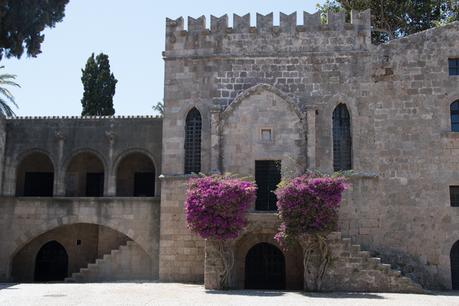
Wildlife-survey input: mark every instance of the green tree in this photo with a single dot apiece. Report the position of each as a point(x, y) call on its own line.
point(23, 21)
point(395, 18)
point(159, 107)
point(99, 87)
point(5, 95)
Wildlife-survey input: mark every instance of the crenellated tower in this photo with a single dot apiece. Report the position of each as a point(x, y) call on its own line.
point(265, 38)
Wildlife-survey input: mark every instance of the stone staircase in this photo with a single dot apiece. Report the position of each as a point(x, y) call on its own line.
point(352, 269)
point(128, 262)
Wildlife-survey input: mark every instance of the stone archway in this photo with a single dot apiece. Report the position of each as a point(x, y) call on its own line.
point(35, 175)
point(51, 263)
point(265, 267)
point(454, 258)
point(65, 250)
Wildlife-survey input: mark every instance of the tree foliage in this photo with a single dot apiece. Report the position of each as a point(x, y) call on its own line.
point(395, 18)
point(216, 206)
point(99, 87)
point(22, 23)
point(159, 107)
point(308, 204)
point(6, 96)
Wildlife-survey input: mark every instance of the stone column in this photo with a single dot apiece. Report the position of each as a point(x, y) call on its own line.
point(215, 145)
point(110, 173)
point(311, 137)
point(59, 171)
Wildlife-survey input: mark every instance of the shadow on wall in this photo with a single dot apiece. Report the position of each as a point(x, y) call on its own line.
point(82, 243)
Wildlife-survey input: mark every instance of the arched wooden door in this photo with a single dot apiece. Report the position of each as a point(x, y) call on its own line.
point(265, 268)
point(51, 263)
point(454, 257)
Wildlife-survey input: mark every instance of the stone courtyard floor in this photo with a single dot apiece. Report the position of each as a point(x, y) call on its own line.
point(182, 294)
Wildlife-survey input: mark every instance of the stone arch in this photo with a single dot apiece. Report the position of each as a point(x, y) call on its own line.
point(443, 116)
point(454, 263)
point(122, 227)
point(265, 267)
point(325, 118)
point(34, 173)
point(85, 173)
point(193, 142)
point(293, 259)
point(258, 111)
point(342, 138)
point(126, 168)
point(291, 104)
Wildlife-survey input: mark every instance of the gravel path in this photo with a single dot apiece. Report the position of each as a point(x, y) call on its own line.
point(181, 294)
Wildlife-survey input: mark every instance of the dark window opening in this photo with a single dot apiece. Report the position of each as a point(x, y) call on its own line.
point(454, 195)
point(267, 176)
point(94, 184)
point(265, 268)
point(193, 142)
point(342, 141)
point(38, 184)
point(144, 184)
point(454, 112)
point(453, 66)
point(454, 258)
point(51, 263)
point(78, 242)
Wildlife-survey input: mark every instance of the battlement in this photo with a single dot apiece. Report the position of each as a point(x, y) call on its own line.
point(83, 117)
point(220, 38)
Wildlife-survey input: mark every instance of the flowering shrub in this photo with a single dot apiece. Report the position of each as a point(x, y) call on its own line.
point(308, 204)
point(216, 206)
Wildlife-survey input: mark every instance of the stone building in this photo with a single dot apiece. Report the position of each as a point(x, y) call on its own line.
point(92, 199)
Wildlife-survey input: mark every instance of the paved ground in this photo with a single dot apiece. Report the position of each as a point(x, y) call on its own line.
point(180, 294)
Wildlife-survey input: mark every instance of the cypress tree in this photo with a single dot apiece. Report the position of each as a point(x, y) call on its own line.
point(99, 87)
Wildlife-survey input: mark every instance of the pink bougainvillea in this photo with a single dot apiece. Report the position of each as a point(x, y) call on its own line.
point(216, 206)
point(308, 204)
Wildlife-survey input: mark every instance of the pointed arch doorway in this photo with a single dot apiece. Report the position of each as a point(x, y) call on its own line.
point(265, 267)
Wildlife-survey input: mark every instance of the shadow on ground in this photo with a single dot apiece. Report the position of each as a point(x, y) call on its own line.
point(247, 292)
point(7, 286)
point(343, 295)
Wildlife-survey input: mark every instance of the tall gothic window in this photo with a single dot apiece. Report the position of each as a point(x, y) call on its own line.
point(454, 110)
point(193, 142)
point(342, 141)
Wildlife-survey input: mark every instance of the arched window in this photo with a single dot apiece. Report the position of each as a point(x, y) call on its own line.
point(454, 109)
point(342, 141)
point(193, 142)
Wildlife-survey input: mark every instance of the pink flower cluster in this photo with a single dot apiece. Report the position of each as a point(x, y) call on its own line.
point(308, 204)
point(216, 206)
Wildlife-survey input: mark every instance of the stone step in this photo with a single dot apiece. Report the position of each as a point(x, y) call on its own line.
point(90, 272)
point(356, 261)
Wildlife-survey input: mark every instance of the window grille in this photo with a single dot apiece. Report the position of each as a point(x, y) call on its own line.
point(453, 66)
point(454, 195)
point(193, 142)
point(267, 176)
point(454, 112)
point(342, 141)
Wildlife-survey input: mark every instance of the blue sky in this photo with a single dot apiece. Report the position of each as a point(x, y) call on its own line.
point(132, 34)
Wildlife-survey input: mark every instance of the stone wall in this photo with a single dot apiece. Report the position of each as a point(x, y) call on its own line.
point(92, 245)
point(398, 96)
point(181, 255)
point(109, 139)
point(24, 219)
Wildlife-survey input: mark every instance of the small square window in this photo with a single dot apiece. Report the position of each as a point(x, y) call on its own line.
point(266, 135)
point(454, 195)
point(453, 66)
